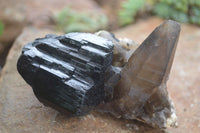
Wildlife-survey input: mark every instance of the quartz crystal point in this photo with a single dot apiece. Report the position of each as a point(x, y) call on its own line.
point(141, 92)
point(78, 71)
point(67, 72)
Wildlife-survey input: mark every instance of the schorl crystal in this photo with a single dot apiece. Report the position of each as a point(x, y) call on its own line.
point(74, 73)
point(67, 72)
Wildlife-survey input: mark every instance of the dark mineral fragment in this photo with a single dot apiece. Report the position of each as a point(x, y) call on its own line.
point(141, 92)
point(79, 71)
point(67, 72)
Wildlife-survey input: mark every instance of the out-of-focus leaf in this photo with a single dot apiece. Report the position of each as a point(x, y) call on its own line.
point(1, 28)
point(129, 11)
point(179, 10)
point(69, 20)
point(163, 10)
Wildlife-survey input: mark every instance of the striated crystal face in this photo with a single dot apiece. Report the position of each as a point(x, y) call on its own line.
point(142, 93)
point(78, 71)
point(67, 71)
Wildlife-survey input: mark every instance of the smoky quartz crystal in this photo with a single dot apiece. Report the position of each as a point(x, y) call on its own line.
point(79, 71)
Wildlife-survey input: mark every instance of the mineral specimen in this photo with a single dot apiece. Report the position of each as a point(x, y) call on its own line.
point(67, 71)
point(141, 92)
point(78, 71)
point(123, 48)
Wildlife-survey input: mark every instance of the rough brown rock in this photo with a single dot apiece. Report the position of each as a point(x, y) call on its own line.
point(39, 12)
point(18, 13)
point(21, 112)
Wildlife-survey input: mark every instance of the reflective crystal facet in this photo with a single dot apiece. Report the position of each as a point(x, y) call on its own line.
point(67, 72)
point(142, 93)
point(78, 71)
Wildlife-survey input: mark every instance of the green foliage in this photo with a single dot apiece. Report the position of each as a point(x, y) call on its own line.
point(179, 10)
point(69, 20)
point(129, 11)
point(195, 17)
point(187, 11)
point(1, 28)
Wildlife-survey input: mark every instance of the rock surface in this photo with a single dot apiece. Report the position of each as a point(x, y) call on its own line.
point(35, 13)
point(19, 13)
point(21, 112)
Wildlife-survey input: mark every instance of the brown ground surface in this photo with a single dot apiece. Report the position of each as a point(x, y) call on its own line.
point(21, 112)
point(16, 14)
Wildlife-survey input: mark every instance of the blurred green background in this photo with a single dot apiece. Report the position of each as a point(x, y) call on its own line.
point(86, 15)
point(185, 11)
point(124, 12)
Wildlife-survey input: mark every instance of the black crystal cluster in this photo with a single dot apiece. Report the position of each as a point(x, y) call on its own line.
point(67, 71)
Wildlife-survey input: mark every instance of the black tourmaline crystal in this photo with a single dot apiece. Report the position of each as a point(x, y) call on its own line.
point(67, 72)
point(74, 72)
